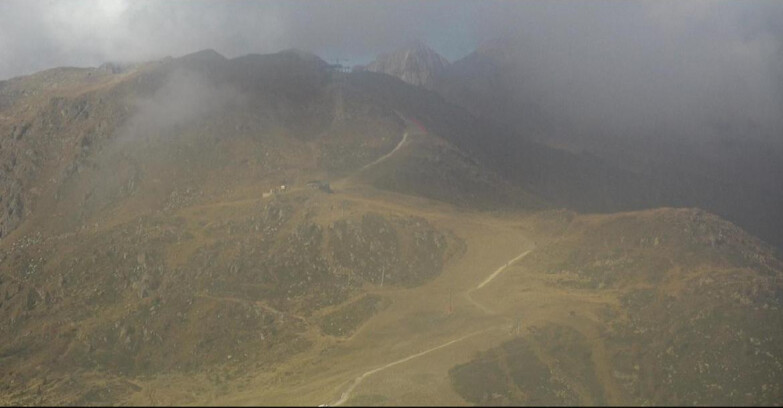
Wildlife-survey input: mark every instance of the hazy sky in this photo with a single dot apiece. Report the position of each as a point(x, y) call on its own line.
point(35, 35)
point(39, 34)
point(680, 69)
point(658, 61)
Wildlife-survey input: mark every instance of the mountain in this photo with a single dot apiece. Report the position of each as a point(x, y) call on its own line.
point(485, 83)
point(264, 229)
point(659, 307)
point(736, 180)
point(145, 216)
point(417, 65)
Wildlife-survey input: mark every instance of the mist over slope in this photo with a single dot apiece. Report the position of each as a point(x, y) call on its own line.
point(552, 203)
point(638, 153)
point(221, 230)
point(146, 219)
point(683, 305)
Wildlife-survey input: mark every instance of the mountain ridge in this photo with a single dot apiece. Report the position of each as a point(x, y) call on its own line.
point(416, 64)
point(263, 228)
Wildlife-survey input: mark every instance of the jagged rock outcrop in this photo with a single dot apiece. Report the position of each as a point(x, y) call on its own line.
point(418, 65)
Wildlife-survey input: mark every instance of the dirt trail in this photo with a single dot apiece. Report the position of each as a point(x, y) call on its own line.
point(588, 323)
point(347, 393)
point(387, 155)
point(492, 276)
point(502, 268)
point(411, 128)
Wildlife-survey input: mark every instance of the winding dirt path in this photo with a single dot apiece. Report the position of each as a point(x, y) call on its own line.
point(358, 380)
point(501, 269)
point(387, 155)
point(489, 279)
point(411, 127)
point(347, 393)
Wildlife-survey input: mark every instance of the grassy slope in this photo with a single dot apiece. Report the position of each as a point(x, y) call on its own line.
point(664, 307)
point(169, 244)
point(146, 238)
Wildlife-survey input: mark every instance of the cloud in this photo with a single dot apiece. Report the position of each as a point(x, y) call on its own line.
point(39, 34)
point(36, 35)
point(184, 96)
point(662, 66)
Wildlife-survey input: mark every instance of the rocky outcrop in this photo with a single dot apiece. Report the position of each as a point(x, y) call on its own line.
point(418, 65)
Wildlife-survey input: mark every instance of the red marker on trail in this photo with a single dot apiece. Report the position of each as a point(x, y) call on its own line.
point(420, 126)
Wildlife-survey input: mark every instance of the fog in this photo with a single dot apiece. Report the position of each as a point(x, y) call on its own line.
point(185, 96)
point(638, 68)
point(35, 35)
point(583, 207)
point(657, 69)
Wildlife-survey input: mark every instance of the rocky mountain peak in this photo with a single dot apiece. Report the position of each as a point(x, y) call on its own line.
point(415, 64)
